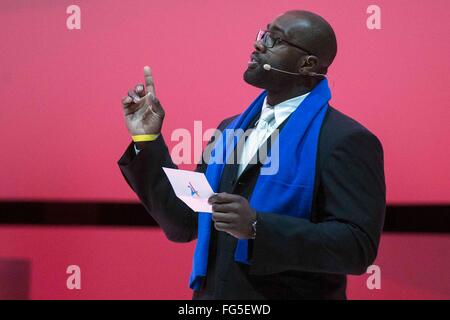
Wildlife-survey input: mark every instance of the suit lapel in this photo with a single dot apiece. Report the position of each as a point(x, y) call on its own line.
point(256, 161)
point(230, 170)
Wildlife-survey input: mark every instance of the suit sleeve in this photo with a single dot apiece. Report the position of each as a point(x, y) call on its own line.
point(144, 174)
point(351, 203)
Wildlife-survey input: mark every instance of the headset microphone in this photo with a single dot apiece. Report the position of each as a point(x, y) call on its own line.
point(268, 67)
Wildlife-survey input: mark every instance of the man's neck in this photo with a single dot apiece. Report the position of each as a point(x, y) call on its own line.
point(275, 97)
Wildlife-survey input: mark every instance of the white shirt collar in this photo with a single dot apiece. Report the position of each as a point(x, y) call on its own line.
point(285, 108)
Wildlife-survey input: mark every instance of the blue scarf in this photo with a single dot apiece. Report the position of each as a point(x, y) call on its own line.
point(292, 186)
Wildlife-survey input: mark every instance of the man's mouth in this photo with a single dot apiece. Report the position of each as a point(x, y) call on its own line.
point(253, 62)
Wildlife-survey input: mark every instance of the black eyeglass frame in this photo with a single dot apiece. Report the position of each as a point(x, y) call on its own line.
point(262, 34)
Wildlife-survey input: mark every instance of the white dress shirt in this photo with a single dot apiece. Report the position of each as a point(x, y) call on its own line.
point(281, 111)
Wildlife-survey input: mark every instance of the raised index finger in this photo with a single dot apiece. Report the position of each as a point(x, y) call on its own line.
point(149, 84)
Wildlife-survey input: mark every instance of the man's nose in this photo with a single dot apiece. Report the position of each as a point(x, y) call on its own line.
point(259, 46)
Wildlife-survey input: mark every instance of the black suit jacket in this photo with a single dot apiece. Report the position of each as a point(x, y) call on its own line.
point(291, 258)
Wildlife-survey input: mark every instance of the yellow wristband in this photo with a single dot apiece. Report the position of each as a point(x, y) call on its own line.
point(145, 137)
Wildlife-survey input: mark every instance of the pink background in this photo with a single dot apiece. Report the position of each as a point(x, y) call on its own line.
point(61, 126)
point(62, 130)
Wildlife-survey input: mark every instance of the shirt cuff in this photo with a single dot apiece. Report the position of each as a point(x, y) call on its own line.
point(136, 149)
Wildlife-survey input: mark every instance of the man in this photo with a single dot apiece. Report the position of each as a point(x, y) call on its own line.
point(292, 234)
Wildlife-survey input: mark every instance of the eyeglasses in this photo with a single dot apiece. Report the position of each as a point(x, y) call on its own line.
point(269, 40)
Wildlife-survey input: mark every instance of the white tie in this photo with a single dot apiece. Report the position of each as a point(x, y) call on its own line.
point(257, 137)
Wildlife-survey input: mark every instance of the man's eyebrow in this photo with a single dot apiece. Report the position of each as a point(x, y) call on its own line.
point(275, 28)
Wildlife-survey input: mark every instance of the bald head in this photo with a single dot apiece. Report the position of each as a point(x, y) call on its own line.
point(298, 48)
point(311, 32)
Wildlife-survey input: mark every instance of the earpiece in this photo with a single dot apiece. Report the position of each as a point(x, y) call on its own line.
point(310, 73)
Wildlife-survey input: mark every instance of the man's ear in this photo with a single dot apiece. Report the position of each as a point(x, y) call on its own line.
point(309, 64)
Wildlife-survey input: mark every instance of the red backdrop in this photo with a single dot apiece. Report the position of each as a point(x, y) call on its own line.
point(62, 131)
point(142, 264)
point(61, 126)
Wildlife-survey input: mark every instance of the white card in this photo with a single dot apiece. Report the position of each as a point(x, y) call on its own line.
point(191, 187)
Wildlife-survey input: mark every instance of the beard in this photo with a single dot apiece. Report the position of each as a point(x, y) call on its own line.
point(256, 76)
